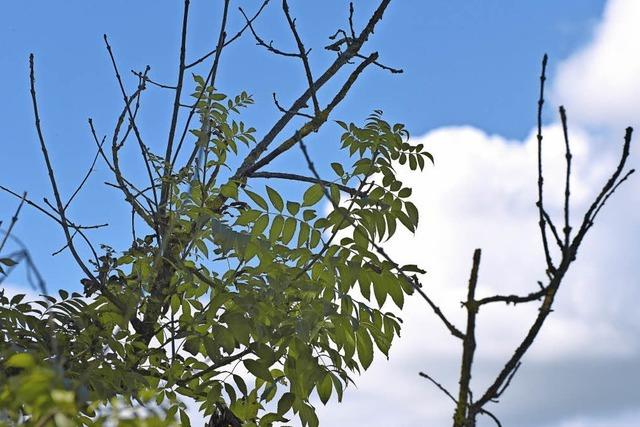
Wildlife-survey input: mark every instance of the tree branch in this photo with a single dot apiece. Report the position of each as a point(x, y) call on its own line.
point(303, 56)
point(540, 204)
point(232, 39)
point(302, 178)
point(468, 346)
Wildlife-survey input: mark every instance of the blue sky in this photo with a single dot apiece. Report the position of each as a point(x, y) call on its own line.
point(471, 62)
point(469, 93)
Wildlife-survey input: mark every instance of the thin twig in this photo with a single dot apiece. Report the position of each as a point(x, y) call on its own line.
point(309, 127)
point(440, 386)
point(567, 188)
point(282, 110)
point(261, 42)
point(52, 179)
point(302, 178)
point(610, 193)
point(154, 83)
point(209, 81)
point(164, 193)
point(514, 299)
point(540, 204)
point(54, 186)
point(342, 59)
point(136, 132)
point(303, 56)
point(353, 33)
point(86, 177)
point(384, 67)
point(49, 214)
point(232, 39)
point(14, 219)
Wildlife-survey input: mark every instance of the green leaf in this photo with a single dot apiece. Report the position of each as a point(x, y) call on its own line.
point(361, 237)
point(20, 360)
point(192, 345)
point(276, 228)
point(308, 416)
point(258, 369)
point(275, 198)
point(364, 346)
point(184, 419)
point(379, 289)
point(293, 208)
point(260, 225)
point(175, 303)
point(315, 239)
point(405, 192)
point(337, 168)
point(8, 262)
point(242, 386)
point(312, 195)
point(412, 211)
point(303, 235)
point(239, 327)
point(230, 190)
point(324, 389)
point(288, 230)
point(395, 291)
point(285, 403)
point(15, 300)
point(309, 214)
point(258, 200)
point(213, 351)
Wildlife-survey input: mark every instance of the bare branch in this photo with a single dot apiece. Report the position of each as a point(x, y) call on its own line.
point(232, 39)
point(342, 59)
point(302, 178)
point(14, 219)
point(123, 184)
point(141, 144)
point(210, 80)
point(261, 42)
point(440, 386)
point(52, 179)
point(144, 77)
point(49, 214)
point(282, 110)
point(540, 204)
point(176, 105)
point(567, 185)
point(303, 56)
point(384, 67)
point(610, 193)
point(86, 177)
point(353, 33)
point(514, 299)
point(309, 127)
point(607, 188)
point(468, 343)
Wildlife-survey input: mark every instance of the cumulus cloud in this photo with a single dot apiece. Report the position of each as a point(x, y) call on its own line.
point(601, 82)
point(481, 193)
point(582, 370)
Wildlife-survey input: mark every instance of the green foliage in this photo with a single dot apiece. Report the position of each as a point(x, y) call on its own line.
point(265, 301)
point(54, 371)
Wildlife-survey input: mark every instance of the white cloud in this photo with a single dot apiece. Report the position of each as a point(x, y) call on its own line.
point(582, 370)
point(601, 82)
point(481, 193)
